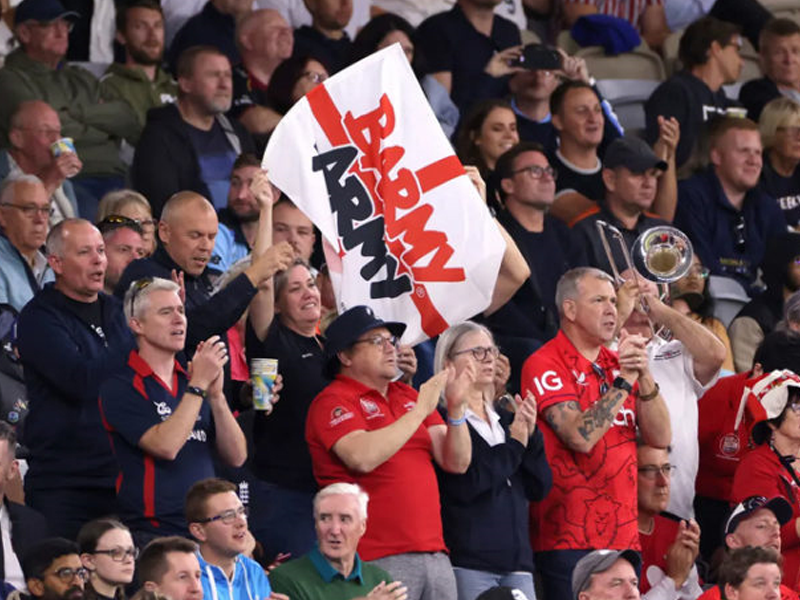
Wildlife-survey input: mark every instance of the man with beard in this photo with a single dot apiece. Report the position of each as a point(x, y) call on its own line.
point(325, 39)
point(53, 570)
point(140, 80)
point(191, 145)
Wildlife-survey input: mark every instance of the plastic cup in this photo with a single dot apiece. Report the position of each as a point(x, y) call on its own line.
point(263, 372)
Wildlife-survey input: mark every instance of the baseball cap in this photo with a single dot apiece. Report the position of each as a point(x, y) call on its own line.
point(43, 11)
point(778, 505)
point(634, 154)
point(502, 592)
point(599, 561)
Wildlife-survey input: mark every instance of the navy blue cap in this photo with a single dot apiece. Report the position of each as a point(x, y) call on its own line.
point(43, 11)
point(634, 154)
point(348, 327)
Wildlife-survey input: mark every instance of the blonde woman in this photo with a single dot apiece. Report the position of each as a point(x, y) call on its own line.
point(131, 204)
point(779, 126)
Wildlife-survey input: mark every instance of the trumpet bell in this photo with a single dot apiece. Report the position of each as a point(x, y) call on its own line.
point(662, 254)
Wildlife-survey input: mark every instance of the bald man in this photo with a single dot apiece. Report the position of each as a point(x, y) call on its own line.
point(72, 336)
point(34, 126)
point(265, 40)
point(187, 230)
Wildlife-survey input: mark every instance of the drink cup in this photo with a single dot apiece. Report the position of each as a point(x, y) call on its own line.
point(62, 146)
point(263, 372)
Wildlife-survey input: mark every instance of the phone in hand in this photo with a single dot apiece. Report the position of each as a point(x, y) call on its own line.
point(539, 57)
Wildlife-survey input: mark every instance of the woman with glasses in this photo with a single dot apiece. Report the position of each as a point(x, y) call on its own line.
point(485, 510)
point(108, 553)
point(779, 126)
point(691, 296)
point(772, 469)
point(293, 79)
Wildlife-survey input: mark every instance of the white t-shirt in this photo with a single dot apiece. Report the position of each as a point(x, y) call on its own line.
point(11, 564)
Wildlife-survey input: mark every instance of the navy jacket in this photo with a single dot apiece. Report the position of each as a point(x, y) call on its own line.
point(65, 362)
point(485, 510)
point(755, 94)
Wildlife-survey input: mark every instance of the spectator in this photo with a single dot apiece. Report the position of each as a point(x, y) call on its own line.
point(781, 274)
point(669, 547)
point(779, 350)
point(526, 184)
point(325, 39)
point(415, 11)
point(364, 440)
point(751, 573)
point(605, 574)
point(168, 566)
point(573, 376)
point(71, 336)
point(124, 244)
point(508, 470)
point(757, 521)
point(290, 224)
point(780, 176)
point(127, 203)
point(530, 98)
point(690, 296)
point(727, 217)
point(646, 16)
point(293, 79)
point(35, 71)
point(779, 48)
point(469, 50)
point(24, 210)
point(53, 570)
point(709, 52)
point(765, 470)
point(163, 445)
point(265, 40)
point(191, 145)
point(215, 25)
point(34, 127)
point(108, 554)
point(333, 569)
point(750, 15)
point(630, 178)
point(218, 521)
point(22, 526)
point(140, 80)
point(684, 367)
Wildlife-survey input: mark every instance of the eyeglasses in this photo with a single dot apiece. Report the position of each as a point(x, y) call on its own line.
point(652, 471)
point(739, 233)
point(792, 131)
point(68, 574)
point(537, 172)
point(736, 42)
point(601, 373)
point(119, 554)
point(480, 353)
point(794, 407)
point(138, 286)
point(701, 272)
point(31, 210)
point(114, 222)
point(315, 77)
point(57, 23)
point(379, 340)
point(228, 516)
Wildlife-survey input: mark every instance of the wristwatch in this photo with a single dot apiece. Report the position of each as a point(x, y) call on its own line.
point(622, 384)
point(193, 389)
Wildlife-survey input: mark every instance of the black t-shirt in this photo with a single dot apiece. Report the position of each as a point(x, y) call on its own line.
point(281, 451)
point(333, 54)
point(90, 313)
point(246, 93)
point(785, 190)
point(588, 182)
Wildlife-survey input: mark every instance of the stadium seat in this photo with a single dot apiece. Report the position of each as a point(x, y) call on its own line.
point(627, 97)
point(729, 297)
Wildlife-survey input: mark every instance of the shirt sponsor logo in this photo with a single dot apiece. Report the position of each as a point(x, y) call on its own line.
point(370, 408)
point(580, 378)
point(409, 406)
point(729, 444)
point(625, 418)
point(198, 435)
point(340, 415)
point(549, 381)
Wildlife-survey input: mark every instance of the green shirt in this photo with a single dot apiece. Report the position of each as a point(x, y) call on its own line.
point(311, 577)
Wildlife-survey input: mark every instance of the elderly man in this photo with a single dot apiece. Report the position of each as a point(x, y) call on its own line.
point(591, 415)
point(35, 71)
point(124, 244)
point(334, 569)
point(607, 575)
point(366, 425)
point(71, 337)
point(168, 566)
point(265, 40)
point(191, 145)
point(24, 211)
point(53, 570)
point(779, 49)
point(723, 211)
point(140, 80)
point(33, 129)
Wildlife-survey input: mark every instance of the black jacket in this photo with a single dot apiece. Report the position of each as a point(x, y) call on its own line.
point(166, 162)
point(28, 528)
point(755, 94)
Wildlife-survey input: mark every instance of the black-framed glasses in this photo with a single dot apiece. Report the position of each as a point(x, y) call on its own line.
point(601, 373)
point(537, 172)
point(480, 353)
point(379, 340)
point(229, 516)
point(68, 574)
point(739, 233)
point(113, 222)
point(652, 471)
point(137, 287)
point(31, 210)
point(119, 554)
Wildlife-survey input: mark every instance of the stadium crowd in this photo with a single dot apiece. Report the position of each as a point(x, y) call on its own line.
point(186, 413)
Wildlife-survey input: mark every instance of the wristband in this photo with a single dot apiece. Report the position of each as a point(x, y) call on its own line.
point(457, 422)
point(193, 389)
point(651, 395)
point(621, 383)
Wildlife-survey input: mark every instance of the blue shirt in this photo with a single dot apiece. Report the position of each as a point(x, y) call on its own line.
point(215, 157)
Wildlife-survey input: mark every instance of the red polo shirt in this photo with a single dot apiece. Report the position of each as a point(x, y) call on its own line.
point(404, 510)
point(593, 502)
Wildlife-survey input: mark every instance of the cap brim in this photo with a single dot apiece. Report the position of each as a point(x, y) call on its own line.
point(781, 508)
point(606, 562)
point(332, 361)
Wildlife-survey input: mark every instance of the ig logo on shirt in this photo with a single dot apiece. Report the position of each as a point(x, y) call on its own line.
point(549, 381)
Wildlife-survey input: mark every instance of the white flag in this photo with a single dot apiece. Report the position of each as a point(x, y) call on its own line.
point(404, 230)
